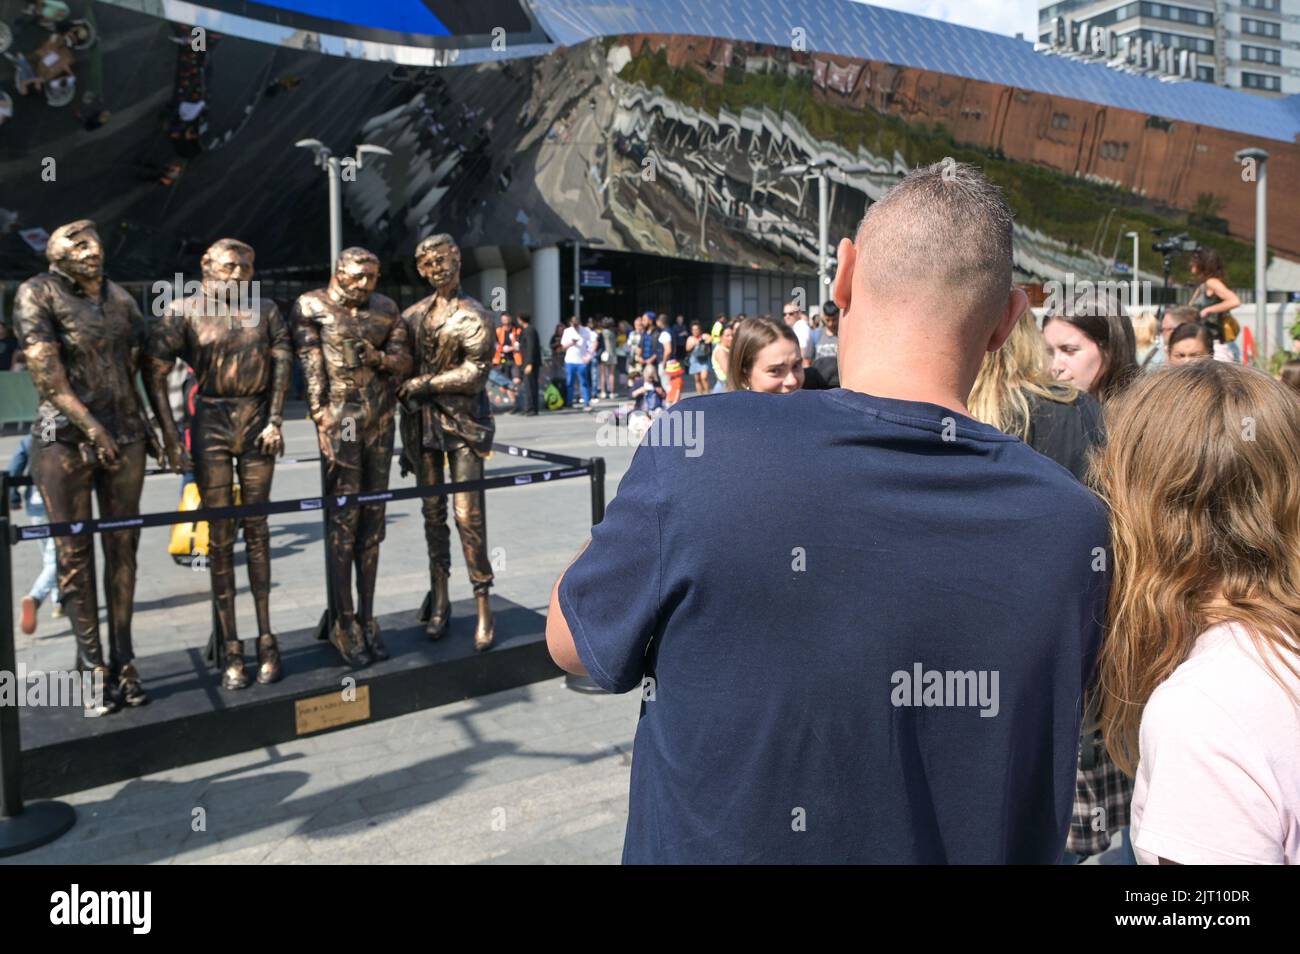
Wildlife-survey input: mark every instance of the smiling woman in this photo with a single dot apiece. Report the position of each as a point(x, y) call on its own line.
point(765, 357)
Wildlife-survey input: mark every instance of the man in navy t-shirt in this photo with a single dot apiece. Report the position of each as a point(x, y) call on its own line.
point(872, 645)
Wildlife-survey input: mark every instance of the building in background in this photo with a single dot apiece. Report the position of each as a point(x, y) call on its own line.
point(653, 137)
point(1252, 45)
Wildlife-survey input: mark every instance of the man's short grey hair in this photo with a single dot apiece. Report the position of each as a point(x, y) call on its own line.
point(944, 227)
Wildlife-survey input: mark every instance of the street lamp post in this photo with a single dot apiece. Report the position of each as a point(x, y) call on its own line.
point(333, 166)
point(817, 170)
point(1260, 157)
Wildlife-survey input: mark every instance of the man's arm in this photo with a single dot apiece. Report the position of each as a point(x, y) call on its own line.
point(40, 344)
point(559, 638)
point(470, 375)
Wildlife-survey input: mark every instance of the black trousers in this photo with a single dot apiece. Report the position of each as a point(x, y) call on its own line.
point(530, 391)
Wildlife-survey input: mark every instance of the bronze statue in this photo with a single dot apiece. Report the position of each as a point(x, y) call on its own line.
point(84, 339)
point(353, 348)
point(447, 422)
point(242, 356)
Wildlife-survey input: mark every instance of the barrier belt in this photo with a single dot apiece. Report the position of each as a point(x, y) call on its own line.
point(75, 528)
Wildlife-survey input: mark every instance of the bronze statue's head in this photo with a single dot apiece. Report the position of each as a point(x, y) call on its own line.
point(75, 248)
point(437, 259)
point(355, 276)
point(227, 260)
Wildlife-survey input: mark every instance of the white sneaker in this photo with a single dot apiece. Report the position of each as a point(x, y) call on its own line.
point(595, 401)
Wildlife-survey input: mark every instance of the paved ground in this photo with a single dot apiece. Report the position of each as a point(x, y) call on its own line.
point(537, 774)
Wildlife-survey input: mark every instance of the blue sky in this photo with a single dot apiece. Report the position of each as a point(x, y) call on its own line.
point(997, 16)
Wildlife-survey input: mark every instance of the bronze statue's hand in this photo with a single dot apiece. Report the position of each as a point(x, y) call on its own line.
point(271, 441)
point(370, 355)
point(414, 388)
point(178, 459)
point(324, 433)
point(105, 447)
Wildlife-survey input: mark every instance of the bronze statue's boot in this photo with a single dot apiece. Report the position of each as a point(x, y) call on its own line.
point(439, 609)
point(346, 637)
point(367, 576)
point(268, 659)
point(375, 642)
point(233, 676)
point(102, 697)
point(129, 687)
point(485, 632)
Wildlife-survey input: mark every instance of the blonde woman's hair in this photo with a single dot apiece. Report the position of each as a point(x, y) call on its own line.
point(1201, 470)
point(1010, 375)
point(1144, 329)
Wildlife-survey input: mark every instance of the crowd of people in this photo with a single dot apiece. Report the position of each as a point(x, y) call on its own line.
point(1111, 537)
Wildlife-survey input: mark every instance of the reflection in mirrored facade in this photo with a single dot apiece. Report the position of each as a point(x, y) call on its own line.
point(662, 153)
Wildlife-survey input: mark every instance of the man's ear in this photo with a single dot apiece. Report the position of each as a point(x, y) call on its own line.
point(842, 287)
point(1017, 303)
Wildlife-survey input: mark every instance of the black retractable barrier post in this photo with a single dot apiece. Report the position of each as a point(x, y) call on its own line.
point(22, 827)
point(597, 490)
point(597, 464)
point(331, 607)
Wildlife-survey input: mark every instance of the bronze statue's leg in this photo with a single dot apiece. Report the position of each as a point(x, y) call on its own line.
point(65, 482)
point(214, 470)
point(471, 524)
point(471, 518)
point(376, 462)
point(344, 477)
point(437, 535)
point(118, 490)
point(255, 472)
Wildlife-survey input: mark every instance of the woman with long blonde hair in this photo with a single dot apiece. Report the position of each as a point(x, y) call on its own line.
point(1015, 392)
point(1200, 667)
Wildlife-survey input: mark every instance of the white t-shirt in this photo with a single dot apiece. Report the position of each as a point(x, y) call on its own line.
point(666, 343)
point(803, 331)
point(574, 345)
point(1218, 781)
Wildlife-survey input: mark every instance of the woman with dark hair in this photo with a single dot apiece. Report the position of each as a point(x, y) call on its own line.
point(1212, 299)
point(1095, 353)
point(699, 348)
point(1190, 342)
point(765, 356)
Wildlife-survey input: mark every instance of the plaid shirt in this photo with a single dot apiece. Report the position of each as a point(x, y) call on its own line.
point(1101, 801)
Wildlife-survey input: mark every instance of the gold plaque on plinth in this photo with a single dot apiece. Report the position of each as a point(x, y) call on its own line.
point(331, 710)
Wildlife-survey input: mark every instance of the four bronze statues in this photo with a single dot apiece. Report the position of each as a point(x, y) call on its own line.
point(85, 340)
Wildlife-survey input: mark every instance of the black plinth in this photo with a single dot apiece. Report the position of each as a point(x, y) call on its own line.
point(190, 718)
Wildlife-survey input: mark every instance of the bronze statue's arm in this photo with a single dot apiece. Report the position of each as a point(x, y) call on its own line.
point(40, 344)
point(281, 364)
point(306, 344)
point(397, 357)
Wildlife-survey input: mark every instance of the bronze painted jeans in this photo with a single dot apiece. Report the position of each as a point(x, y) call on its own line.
point(226, 431)
point(363, 463)
point(471, 517)
point(67, 482)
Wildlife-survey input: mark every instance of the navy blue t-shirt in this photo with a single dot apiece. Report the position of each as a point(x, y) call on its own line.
point(861, 628)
